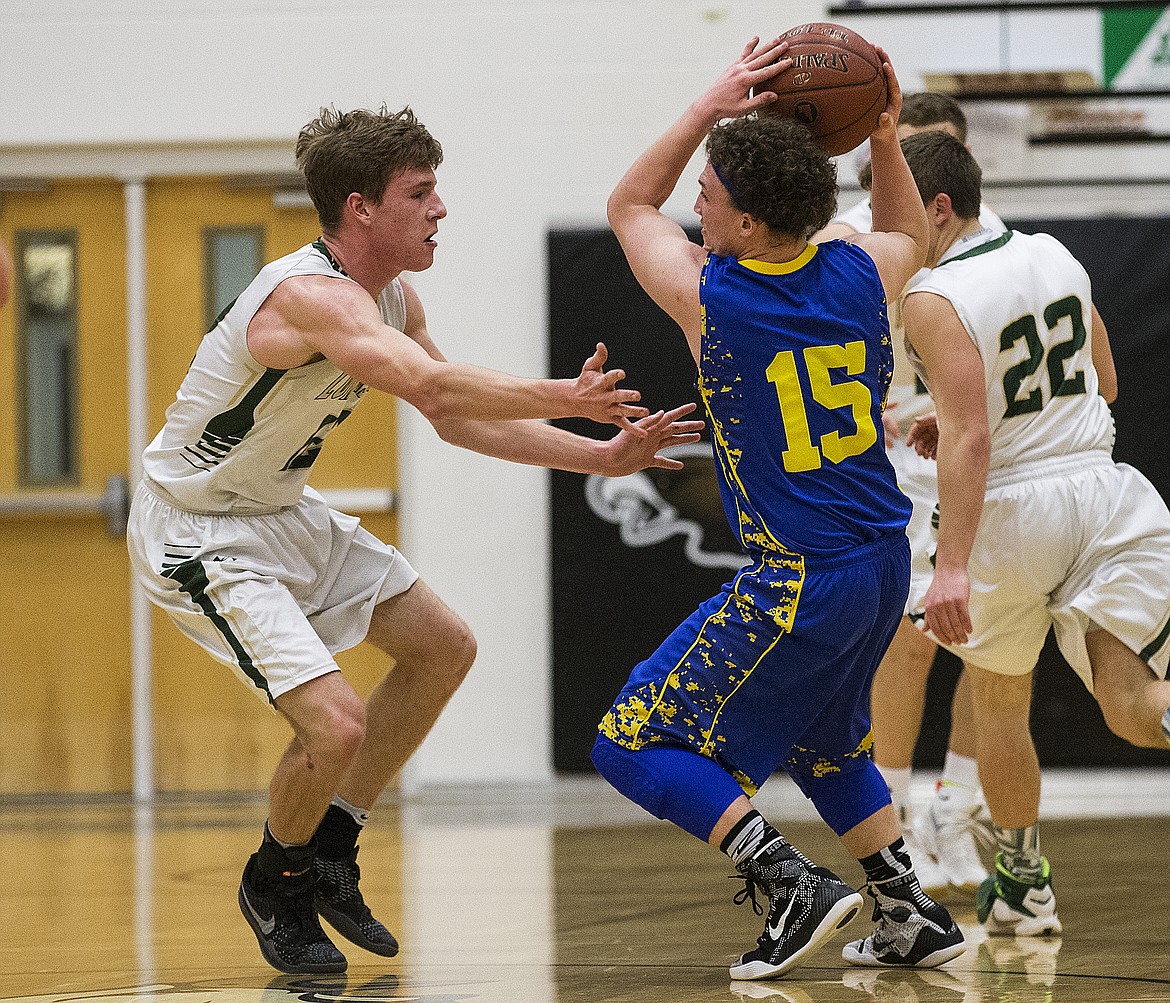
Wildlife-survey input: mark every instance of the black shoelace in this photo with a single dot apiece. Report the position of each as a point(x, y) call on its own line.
point(748, 891)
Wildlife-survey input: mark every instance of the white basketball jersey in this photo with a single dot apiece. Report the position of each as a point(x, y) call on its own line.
point(908, 397)
point(241, 438)
point(1026, 302)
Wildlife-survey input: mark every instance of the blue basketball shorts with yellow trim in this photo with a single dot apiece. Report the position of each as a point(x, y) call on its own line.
point(774, 672)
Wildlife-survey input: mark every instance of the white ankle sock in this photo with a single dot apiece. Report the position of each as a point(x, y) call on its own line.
point(959, 783)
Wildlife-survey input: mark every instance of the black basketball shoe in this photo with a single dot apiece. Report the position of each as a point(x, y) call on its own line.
point(340, 904)
point(282, 915)
point(913, 931)
point(807, 905)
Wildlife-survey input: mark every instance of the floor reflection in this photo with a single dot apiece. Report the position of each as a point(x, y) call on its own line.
point(504, 904)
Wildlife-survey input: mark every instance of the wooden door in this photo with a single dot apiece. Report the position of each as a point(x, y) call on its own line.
point(65, 715)
point(65, 684)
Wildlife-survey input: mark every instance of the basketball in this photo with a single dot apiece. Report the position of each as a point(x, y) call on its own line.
point(835, 85)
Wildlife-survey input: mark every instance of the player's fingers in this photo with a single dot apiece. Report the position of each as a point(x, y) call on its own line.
point(687, 427)
point(678, 412)
point(959, 624)
point(625, 424)
point(628, 397)
point(632, 413)
point(933, 625)
point(767, 57)
point(939, 621)
point(893, 88)
point(762, 100)
point(679, 438)
point(666, 463)
point(613, 377)
point(942, 629)
point(597, 359)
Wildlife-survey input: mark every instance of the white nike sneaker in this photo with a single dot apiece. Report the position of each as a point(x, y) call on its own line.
point(949, 831)
point(1007, 904)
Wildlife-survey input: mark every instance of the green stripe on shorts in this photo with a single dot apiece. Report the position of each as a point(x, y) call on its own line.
point(1151, 649)
point(193, 579)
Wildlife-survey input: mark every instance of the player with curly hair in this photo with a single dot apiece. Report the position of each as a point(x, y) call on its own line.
point(794, 360)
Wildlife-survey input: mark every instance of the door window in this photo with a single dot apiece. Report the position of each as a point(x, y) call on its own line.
point(46, 277)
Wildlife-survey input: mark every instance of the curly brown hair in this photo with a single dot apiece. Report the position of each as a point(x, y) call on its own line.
point(774, 170)
point(341, 152)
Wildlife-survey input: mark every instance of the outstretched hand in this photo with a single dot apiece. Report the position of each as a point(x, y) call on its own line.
point(731, 94)
point(600, 400)
point(628, 452)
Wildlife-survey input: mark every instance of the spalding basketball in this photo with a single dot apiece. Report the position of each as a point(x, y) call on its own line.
point(835, 85)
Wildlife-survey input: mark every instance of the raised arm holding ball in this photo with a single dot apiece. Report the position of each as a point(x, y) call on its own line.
point(793, 352)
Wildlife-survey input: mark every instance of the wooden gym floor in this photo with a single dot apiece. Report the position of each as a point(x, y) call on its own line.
point(542, 895)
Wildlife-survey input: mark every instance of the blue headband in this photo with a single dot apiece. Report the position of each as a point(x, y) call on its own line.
point(727, 184)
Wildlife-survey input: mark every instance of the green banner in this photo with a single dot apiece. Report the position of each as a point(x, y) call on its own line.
point(1135, 48)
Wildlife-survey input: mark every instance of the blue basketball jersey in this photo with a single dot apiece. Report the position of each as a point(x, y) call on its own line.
point(795, 365)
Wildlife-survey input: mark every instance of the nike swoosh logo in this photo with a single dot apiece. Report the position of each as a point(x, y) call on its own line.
point(266, 925)
point(775, 931)
point(1037, 900)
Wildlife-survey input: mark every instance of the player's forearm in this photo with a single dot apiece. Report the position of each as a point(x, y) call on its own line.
point(654, 175)
point(530, 442)
point(963, 459)
point(449, 390)
point(894, 198)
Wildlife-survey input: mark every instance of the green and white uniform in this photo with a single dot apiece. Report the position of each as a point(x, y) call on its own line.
point(1068, 538)
point(907, 401)
point(225, 534)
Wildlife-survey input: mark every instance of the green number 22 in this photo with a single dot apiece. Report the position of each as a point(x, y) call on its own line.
point(802, 454)
point(1060, 383)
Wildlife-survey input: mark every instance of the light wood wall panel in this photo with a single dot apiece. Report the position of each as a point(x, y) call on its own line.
point(64, 584)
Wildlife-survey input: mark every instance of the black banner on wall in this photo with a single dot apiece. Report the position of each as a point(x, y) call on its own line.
point(633, 556)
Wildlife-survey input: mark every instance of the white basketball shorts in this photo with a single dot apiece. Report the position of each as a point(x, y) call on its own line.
point(1075, 544)
point(274, 596)
point(918, 479)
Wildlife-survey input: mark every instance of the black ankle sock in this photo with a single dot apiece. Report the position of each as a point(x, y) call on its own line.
point(337, 834)
point(749, 836)
point(277, 862)
point(892, 862)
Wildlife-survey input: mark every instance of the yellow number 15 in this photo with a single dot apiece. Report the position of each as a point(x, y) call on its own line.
point(801, 454)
